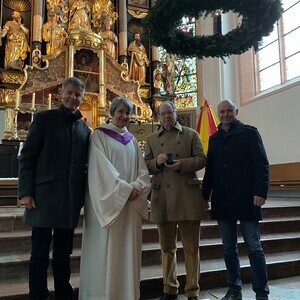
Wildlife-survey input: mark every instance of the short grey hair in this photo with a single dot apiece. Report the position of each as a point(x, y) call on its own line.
point(75, 82)
point(167, 102)
point(119, 100)
point(229, 102)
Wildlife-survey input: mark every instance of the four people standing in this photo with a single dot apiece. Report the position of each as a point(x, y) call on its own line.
point(236, 180)
point(52, 182)
point(52, 176)
point(176, 200)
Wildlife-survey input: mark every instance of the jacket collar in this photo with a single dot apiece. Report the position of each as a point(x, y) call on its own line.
point(75, 117)
point(235, 127)
point(177, 126)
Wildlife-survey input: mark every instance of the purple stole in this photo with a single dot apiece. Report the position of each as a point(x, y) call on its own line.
point(124, 139)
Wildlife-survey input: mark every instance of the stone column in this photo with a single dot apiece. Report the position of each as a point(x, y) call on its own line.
point(122, 31)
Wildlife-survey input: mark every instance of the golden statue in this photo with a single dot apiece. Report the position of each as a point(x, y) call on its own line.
point(53, 33)
point(79, 15)
point(16, 47)
point(103, 7)
point(139, 59)
point(109, 37)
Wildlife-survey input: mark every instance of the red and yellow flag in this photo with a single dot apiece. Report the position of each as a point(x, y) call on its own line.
point(207, 123)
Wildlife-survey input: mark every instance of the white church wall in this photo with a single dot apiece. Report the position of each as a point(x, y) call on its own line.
point(277, 118)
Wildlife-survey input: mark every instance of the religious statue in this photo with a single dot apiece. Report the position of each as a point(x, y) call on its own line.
point(101, 9)
point(109, 38)
point(16, 47)
point(79, 15)
point(139, 59)
point(36, 57)
point(157, 81)
point(53, 33)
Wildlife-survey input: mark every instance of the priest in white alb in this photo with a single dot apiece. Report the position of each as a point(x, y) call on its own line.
point(116, 202)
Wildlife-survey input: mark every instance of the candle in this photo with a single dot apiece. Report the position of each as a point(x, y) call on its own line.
point(49, 101)
point(33, 101)
point(17, 99)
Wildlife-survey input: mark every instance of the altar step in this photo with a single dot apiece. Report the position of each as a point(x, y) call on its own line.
point(279, 230)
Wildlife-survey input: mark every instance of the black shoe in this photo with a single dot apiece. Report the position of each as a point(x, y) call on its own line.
point(232, 294)
point(262, 298)
point(169, 297)
point(193, 298)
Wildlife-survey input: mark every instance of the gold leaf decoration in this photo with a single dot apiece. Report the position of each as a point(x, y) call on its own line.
point(18, 5)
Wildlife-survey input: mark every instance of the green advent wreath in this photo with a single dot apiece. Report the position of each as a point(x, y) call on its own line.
point(258, 18)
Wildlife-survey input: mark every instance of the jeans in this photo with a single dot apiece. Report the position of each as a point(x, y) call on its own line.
point(39, 260)
point(251, 235)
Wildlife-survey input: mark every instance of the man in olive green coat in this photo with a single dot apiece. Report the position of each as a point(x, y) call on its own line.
point(52, 178)
point(176, 198)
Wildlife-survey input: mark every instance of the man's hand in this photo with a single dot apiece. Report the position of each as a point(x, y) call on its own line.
point(176, 165)
point(161, 159)
point(206, 204)
point(259, 201)
point(28, 202)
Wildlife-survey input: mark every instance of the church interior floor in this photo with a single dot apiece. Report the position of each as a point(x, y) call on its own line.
point(280, 289)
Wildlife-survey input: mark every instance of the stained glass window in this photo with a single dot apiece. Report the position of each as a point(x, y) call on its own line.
point(180, 75)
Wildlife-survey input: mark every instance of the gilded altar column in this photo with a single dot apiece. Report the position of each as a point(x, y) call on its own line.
point(122, 31)
point(9, 122)
point(102, 91)
point(38, 12)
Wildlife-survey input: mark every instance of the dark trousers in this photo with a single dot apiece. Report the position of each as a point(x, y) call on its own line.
point(62, 248)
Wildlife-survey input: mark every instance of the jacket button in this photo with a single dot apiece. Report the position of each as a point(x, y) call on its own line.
point(168, 185)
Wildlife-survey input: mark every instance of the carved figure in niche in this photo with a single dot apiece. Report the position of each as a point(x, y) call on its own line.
point(86, 68)
point(79, 15)
point(157, 81)
point(109, 38)
point(36, 57)
point(53, 33)
point(16, 46)
point(139, 59)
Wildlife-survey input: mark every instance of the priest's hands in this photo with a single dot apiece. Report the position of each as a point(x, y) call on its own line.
point(134, 194)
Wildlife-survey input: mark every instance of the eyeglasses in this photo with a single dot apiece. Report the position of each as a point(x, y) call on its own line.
point(165, 113)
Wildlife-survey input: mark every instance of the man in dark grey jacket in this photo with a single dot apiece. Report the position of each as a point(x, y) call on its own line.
point(52, 178)
point(236, 180)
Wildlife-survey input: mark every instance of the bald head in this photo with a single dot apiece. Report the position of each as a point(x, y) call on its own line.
point(227, 112)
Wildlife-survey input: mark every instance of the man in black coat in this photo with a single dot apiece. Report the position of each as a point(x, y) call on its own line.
point(52, 177)
point(236, 180)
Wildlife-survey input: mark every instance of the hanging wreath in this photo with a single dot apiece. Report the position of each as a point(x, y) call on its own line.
point(258, 18)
